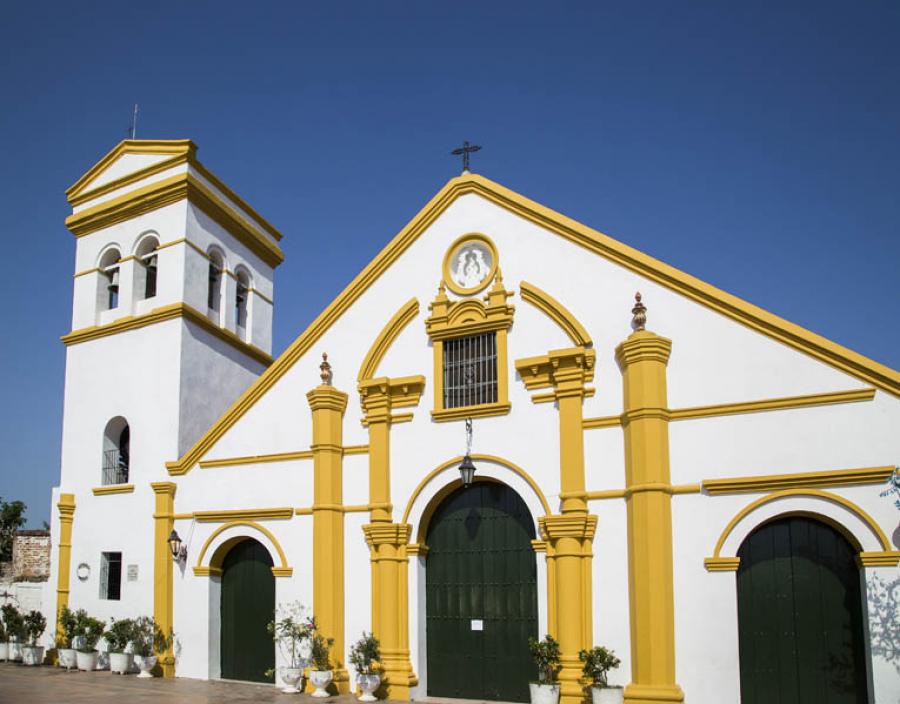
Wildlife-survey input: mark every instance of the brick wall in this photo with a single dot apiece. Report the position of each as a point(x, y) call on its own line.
point(31, 556)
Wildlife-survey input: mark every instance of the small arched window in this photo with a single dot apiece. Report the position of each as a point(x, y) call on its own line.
point(214, 291)
point(241, 294)
point(116, 452)
point(147, 257)
point(108, 281)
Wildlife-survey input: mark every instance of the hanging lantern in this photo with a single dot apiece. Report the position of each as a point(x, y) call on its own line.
point(179, 552)
point(467, 467)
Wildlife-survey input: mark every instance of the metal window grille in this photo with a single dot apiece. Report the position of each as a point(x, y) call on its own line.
point(470, 370)
point(115, 467)
point(111, 575)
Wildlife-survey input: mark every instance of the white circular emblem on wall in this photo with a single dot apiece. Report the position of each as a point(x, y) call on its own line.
point(470, 264)
point(83, 571)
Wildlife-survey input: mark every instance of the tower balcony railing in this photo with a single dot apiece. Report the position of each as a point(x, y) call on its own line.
point(115, 467)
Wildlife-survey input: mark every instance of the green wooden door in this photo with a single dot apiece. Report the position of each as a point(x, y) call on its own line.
point(800, 616)
point(248, 604)
point(481, 567)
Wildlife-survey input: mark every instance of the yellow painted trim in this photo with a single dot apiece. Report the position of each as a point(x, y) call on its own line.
point(445, 267)
point(732, 307)
point(356, 450)
point(516, 469)
point(207, 572)
point(246, 514)
point(557, 312)
point(884, 558)
point(282, 571)
point(794, 480)
point(129, 179)
point(172, 190)
point(386, 338)
point(774, 404)
point(260, 294)
point(722, 564)
point(113, 489)
point(257, 459)
point(66, 508)
point(92, 270)
point(215, 559)
point(163, 566)
point(835, 498)
point(159, 315)
point(602, 422)
point(462, 412)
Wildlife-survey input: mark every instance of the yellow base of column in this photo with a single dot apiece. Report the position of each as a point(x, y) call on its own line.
point(649, 694)
point(397, 675)
point(571, 690)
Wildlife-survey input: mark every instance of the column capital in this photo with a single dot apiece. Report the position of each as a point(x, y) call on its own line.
point(168, 488)
point(328, 398)
point(66, 506)
point(643, 346)
point(396, 534)
point(381, 395)
point(566, 370)
point(568, 525)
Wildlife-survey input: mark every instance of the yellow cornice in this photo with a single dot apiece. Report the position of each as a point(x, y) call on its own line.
point(380, 396)
point(879, 558)
point(113, 489)
point(745, 313)
point(181, 151)
point(161, 314)
point(257, 459)
point(165, 192)
point(562, 369)
point(245, 514)
point(557, 312)
point(386, 337)
point(794, 480)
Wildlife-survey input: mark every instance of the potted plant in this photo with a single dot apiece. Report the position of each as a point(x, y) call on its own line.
point(149, 639)
point(89, 630)
point(120, 633)
point(546, 657)
point(291, 634)
point(364, 656)
point(35, 625)
point(321, 674)
point(15, 631)
point(65, 637)
point(597, 663)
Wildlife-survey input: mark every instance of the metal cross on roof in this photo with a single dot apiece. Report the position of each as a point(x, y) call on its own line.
point(465, 150)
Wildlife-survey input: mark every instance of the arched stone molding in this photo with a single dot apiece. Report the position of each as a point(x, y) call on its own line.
point(403, 317)
point(104, 259)
point(226, 536)
point(557, 312)
point(140, 242)
point(444, 479)
point(848, 518)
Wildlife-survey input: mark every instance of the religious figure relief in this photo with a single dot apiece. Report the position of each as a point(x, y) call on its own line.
point(471, 266)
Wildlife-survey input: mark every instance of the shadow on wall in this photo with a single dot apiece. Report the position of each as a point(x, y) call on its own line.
point(883, 599)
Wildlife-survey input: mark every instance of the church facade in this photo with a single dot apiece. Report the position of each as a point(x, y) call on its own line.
point(680, 476)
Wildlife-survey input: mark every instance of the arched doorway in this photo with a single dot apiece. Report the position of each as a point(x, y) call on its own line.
point(247, 605)
point(481, 595)
point(800, 616)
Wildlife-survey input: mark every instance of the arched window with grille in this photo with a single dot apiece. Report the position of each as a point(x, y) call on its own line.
point(116, 452)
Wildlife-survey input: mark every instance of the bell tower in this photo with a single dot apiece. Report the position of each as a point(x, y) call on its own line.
point(171, 321)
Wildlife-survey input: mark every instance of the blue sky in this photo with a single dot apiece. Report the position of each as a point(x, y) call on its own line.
point(755, 145)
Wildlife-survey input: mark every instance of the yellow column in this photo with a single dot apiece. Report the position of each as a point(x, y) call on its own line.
point(642, 359)
point(328, 406)
point(387, 540)
point(163, 567)
point(66, 507)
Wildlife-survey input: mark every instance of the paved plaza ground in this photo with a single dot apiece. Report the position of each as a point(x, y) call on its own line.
point(53, 685)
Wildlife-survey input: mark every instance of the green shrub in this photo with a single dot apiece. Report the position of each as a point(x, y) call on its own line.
point(119, 634)
point(546, 656)
point(65, 630)
point(365, 654)
point(148, 637)
point(290, 631)
point(597, 663)
point(89, 629)
point(35, 625)
point(320, 647)
point(15, 623)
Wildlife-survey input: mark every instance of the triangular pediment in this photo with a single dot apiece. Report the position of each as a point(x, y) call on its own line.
point(691, 288)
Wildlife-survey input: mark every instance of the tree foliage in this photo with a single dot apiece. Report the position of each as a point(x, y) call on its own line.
point(12, 517)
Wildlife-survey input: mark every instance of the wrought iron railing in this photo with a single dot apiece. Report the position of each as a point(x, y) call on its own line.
point(115, 467)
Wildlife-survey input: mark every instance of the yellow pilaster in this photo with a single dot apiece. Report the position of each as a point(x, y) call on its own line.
point(163, 567)
point(66, 508)
point(328, 406)
point(642, 359)
point(388, 540)
point(568, 537)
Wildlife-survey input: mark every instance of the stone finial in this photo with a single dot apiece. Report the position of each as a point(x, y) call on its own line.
point(325, 370)
point(638, 313)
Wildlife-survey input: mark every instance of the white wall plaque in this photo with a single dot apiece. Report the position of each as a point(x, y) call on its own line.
point(132, 572)
point(477, 624)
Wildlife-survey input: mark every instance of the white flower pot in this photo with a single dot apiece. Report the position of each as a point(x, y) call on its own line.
point(32, 654)
point(120, 662)
point(67, 657)
point(86, 661)
point(368, 684)
point(544, 693)
point(4, 651)
point(15, 651)
point(145, 663)
point(320, 679)
point(607, 695)
point(290, 676)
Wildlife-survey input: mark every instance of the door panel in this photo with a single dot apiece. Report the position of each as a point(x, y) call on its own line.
point(481, 565)
point(248, 604)
point(800, 616)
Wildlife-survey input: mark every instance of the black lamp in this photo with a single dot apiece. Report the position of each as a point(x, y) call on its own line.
point(467, 467)
point(179, 551)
